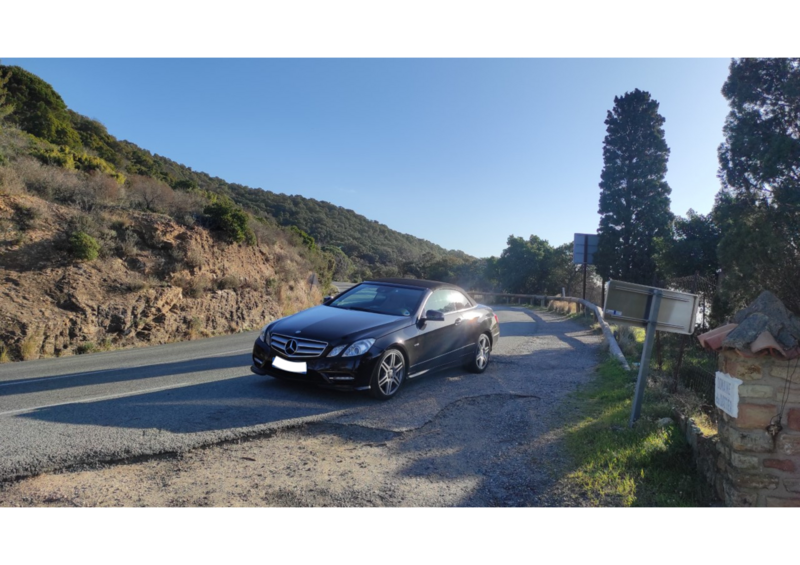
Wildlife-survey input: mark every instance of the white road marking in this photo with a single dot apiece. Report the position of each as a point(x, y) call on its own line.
point(95, 398)
point(48, 379)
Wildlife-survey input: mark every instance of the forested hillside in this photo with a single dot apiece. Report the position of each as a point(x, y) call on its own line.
point(356, 246)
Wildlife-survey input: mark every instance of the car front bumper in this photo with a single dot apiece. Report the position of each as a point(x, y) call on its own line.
point(336, 372)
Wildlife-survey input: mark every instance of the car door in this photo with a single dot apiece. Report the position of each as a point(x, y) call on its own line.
point(436, 343)
point(466, 327)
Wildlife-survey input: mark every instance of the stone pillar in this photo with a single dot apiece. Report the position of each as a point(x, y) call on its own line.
point(758, 468)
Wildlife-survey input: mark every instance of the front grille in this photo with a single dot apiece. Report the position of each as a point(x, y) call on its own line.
point(302, 347)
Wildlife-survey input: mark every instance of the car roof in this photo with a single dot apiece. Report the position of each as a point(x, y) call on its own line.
point(417, 283)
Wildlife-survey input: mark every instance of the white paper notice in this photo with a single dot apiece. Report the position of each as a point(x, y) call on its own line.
point(726, 394)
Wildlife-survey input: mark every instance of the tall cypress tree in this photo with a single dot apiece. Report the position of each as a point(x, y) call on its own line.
point(634, 196)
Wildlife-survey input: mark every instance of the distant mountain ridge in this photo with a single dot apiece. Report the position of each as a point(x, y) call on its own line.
point(372, 249)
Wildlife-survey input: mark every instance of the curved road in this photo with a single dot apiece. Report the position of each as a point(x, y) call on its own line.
point(55, 413)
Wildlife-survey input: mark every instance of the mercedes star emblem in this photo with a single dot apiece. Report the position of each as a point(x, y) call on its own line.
point(291, 347)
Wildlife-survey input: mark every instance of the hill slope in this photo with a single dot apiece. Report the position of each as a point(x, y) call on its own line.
point(369, 248)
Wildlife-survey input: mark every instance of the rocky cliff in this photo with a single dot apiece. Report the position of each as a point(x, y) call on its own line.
point(155, 280)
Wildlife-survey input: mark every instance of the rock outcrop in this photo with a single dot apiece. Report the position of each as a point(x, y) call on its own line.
point(156, 281)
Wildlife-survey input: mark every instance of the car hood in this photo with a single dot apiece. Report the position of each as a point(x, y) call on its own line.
point(330, 324)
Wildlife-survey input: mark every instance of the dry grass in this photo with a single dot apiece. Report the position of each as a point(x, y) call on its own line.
point(26, 217)
point(194, 257)
point(30, 346)
point(564, 307)
point(10, 182)
point(689, 403)
point(129, 244)
point(4, 355)
point(177, 254)
point(137, 282)
point(228, 282)
point(297, 299)
point(47, 181)
point(630, 340)
point(195, 327)
point(193, 287)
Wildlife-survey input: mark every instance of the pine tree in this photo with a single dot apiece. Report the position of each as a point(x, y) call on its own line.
point(758, 207)
point(634, 195)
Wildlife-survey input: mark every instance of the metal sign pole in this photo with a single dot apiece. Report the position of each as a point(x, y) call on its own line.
point(602, 294)
point(641, 382)
point(584, 281)
point(585, 261)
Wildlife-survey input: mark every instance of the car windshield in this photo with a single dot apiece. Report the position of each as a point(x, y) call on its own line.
point(381, 299)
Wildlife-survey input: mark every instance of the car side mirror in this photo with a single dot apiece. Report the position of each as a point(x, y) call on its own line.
point(433, 316)
point(327, 299)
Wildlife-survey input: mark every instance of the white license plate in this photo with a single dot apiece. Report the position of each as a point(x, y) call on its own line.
point(291, 366)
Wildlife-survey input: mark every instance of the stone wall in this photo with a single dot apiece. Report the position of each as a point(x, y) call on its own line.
point(759, 468)
point(706, 451)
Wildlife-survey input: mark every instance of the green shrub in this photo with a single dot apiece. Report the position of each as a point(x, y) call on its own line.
point(83, 246)
point(38, 109)
point(74, 160)
point(185, 185)
point(58, 156)
point(87, 347)
point(303, 238)
point(231, 220)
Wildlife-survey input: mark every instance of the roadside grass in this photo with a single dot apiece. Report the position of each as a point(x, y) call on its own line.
point(620, 466)
point(195, 327)
point(85, 348)
point(29, 348)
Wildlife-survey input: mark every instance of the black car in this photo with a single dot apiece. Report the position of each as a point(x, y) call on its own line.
point(377, 334)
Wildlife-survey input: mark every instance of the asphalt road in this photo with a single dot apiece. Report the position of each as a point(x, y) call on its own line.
point(342, 286)
point(55, 413)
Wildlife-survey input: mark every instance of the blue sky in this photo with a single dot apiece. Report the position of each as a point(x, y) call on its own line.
point(462, 152)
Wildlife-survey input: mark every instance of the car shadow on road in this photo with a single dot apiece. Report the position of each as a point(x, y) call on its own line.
point(107, 376)
point(245, 401)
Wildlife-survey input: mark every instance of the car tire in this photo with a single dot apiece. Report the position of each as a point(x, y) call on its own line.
point(388, 375)
point(480, 356)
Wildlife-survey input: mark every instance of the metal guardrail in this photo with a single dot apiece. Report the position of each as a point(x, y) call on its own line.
point(613, 346)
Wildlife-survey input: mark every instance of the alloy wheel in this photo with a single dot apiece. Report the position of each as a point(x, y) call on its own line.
point(482, 356)
point(391, 373)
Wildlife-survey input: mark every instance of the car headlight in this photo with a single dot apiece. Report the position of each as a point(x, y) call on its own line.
point(358, 348)
point(336, 350)
point(264, 334)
